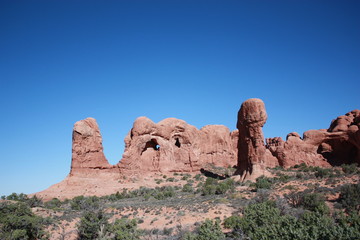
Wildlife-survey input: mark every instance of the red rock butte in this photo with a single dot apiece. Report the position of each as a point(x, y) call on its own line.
point(172, 145)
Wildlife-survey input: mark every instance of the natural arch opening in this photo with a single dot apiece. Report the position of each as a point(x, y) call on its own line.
point(152, 144)
point(177, 142)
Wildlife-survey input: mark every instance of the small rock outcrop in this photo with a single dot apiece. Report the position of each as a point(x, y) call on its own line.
point(172, 145)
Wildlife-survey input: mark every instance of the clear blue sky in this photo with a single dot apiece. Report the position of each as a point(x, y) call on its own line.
point(63, 61)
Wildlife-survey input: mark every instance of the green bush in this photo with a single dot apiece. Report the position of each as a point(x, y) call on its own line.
point(17, 222)
point(323, 172)
point(349, 197)
point(233, 222)
point(311, 201)
point(125, 229)
point(349, 168)
point(85, 203)
point(17, 197)
point(198, 177)
point(283, 178)
point(315, 202)
point(188, 188)
point(263, 183)
point(208, 230)
point(91, 224)
point(34, 201)
point(265, 221)
point(53, 203)
point(213, 186)
point(170, 179)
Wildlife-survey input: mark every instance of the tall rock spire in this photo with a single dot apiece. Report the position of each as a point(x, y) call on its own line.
point(251, 149)
point(87, 149)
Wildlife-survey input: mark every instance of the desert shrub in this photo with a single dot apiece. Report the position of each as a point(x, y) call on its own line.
point(283, 178)
point(279, 168)
point(302, 166)
point(91, 224)
point(124, 229)
point(296, 166)
point(117, 196)
point(208, 230)
point(85, 203)
point(18, 222)
point(349, 168)
point(158, 181)
point(233, 222)
point(299, 175)
point(186, 177)
point(294, 198)
point(311, 201)
point(349, 197)
point(260, 221)
point(167, 231)
point(225, 186)
point(53, 203)
point(198, 177)
point(323, 172)
point(17, 197)
point(348, 225)
point(314, 202)
point(263, 183)
point(315, 225)
point(34, 201)
point(187, 188)
point(170, 179)
point(213, 186)
point(209, 187)
point(262, 195)
point(265, 221)
point(163, 192)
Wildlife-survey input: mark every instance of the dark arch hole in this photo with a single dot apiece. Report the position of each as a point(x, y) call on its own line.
point(177, 142)
point(152, 144)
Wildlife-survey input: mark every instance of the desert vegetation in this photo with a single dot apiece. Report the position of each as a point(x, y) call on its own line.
point(302, 202)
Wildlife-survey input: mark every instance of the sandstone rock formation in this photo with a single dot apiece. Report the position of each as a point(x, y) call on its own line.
point(325, 148)
point(172, 145)
point(337, 145)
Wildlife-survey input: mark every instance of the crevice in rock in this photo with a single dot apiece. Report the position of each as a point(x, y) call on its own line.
point(177, 142)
